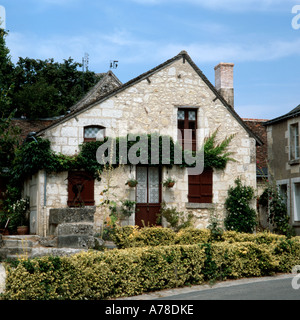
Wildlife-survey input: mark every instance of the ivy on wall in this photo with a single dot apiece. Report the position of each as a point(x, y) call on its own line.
point(37, 155)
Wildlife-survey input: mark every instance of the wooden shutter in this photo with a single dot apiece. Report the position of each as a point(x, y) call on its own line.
point(201, 187)
point(80, 189)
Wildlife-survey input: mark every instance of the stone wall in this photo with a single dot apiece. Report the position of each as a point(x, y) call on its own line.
point(150, 106)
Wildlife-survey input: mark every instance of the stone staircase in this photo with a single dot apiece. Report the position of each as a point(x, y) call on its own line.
point(71, 231)
point(31, 246)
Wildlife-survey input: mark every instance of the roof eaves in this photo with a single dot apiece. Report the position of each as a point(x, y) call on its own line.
point(284, 117)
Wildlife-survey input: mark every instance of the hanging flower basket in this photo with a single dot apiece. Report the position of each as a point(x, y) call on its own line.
point(131, 183)
point(169, 183)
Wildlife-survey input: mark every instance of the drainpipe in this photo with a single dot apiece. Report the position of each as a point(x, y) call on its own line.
point(45, 204)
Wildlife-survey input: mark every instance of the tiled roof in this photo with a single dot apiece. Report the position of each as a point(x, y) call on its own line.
point(257, 126)
point(292, 114)
point(27, 125)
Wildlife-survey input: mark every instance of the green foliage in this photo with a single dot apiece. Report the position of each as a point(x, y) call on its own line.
point(240, 216)
point(36, 155)
point(18, 213)
point(41, 84)
point(95, 275)
point(176, 219)
point(277, 209)
point(216, 230)
point(6, 76)
point(9, 141)
point(215, 155)
point(40, 88)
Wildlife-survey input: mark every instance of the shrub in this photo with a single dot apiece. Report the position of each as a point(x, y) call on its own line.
point(192, 236)
point(115, 273)
point(240, 216)
point(176, 219)
point(96, 275)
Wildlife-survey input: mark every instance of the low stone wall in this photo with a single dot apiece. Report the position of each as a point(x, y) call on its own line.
point(73, 227)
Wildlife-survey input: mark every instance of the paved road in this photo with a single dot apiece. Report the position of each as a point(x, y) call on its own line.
point(257, 289)
point(277, 287)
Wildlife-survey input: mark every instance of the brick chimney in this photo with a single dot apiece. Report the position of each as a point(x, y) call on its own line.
point(224, 81)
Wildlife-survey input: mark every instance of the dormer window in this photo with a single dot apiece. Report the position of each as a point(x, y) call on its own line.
point(93, 133)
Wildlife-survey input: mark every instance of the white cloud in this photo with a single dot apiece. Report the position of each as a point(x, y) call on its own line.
point(129, 49)
point(233, 52)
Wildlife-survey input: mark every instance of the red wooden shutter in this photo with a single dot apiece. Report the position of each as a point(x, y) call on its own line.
point(201, 187)
point(80, 189)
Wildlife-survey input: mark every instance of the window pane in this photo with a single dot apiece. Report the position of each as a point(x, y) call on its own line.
point(192, 115)
point(153, 181)
point(91, 132)
point(297, 201)
point(180, 115)
point(100, 134)
point(141, 188)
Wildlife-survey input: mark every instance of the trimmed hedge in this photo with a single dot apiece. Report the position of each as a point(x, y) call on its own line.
point(100, 275)
point(132, 236)
point(126, 272)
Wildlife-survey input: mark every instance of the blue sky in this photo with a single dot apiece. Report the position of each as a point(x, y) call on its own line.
point(256, 35)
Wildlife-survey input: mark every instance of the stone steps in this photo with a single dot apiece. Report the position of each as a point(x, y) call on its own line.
point(16, 247)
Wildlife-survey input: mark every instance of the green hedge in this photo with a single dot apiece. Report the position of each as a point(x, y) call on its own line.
point(132, 236)
point(133, 271)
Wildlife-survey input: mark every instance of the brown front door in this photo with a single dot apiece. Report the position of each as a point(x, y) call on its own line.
point(148, 195)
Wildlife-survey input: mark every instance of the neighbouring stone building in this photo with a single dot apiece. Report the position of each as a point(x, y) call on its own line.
point(174, 95)
point(284, 160)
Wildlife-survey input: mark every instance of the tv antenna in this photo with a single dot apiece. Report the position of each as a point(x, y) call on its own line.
point(114, 64)
point(85, 62)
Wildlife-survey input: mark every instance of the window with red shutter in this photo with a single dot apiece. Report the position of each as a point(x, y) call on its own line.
point(201, 187)
point(80, 189)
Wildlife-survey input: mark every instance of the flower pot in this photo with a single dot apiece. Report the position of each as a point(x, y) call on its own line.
point(22, 230)
point(171, 184)
point(132, 184)
point(4, 232)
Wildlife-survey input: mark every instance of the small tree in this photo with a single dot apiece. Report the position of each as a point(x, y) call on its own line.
point(278, 215)
point(240, 216)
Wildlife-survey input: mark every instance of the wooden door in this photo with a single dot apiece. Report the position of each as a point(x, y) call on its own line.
point(80, 189)
point(148, 195)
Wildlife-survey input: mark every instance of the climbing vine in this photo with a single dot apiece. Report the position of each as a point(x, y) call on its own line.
point(37, 155)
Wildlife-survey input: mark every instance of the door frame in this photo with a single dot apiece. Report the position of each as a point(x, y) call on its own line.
point(147, 204)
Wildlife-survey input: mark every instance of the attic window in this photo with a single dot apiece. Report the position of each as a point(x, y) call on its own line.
point(93, 133)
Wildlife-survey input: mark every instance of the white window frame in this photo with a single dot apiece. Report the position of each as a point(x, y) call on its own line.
point(294, 153)
point(296, 215)
point(287, 183)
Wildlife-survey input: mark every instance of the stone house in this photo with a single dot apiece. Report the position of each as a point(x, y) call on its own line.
point(172, 97)
point(284, 160)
